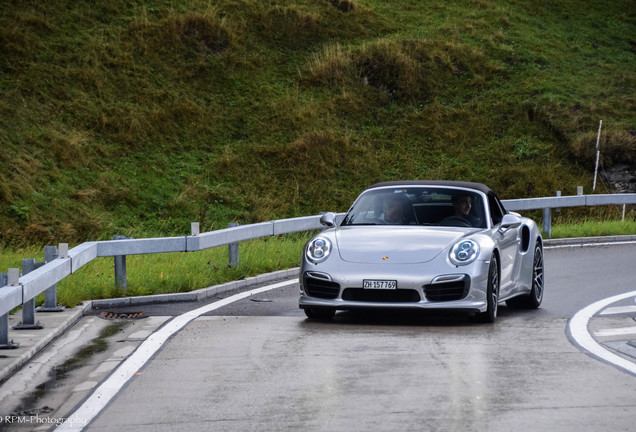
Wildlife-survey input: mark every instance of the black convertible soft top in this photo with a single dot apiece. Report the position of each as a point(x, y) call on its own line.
point(459, 184)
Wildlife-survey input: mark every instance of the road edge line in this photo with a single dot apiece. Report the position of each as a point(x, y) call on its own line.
point(580, 336)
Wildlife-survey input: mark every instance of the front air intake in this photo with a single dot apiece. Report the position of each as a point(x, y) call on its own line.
point(321, 288)
point(447, 290)
point(381, 296)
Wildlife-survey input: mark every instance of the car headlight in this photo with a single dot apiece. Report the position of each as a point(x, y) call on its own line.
point(464, 252)
point(318, 249)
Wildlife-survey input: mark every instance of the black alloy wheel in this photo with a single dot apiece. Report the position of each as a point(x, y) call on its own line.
point(492, 293)
point(535, 297)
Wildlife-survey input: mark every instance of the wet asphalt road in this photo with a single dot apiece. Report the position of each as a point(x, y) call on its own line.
point(258, 364)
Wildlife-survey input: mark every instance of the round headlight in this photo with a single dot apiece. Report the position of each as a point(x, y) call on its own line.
point(318, 249)
point(464, 252)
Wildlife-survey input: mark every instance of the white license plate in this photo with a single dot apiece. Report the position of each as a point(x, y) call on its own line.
point(379, 284)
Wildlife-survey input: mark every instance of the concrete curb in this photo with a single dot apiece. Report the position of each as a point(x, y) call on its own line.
point(588, 240)
point(199, 294)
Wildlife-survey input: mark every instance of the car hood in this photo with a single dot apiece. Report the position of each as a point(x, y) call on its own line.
point(394, 244)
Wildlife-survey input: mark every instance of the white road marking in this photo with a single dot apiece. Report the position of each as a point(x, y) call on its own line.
point(580, 334)
point(616, 332)
point(96, 402)
point(619, 310)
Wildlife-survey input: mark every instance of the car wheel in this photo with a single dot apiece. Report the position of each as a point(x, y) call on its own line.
point(534, 299)
point(492, 293)
point(320, 313)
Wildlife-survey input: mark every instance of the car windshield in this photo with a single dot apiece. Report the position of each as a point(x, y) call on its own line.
point(418, 206)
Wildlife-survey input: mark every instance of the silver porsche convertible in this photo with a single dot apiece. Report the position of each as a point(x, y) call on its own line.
point(423, 245)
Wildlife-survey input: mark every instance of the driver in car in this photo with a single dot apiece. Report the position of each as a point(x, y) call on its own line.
point(393, 208)
point(462, 205)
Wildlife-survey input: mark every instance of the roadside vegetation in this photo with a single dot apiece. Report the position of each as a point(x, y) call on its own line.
point(594, 228)
point(138, 118)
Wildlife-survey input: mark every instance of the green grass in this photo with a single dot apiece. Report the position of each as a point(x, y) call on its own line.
point(591, 228)
point(138, 118)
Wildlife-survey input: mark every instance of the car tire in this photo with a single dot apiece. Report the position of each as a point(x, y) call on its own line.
point(492, 293)
point(320, 313)
point(534, 299)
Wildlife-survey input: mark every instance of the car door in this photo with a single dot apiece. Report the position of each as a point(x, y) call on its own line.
point(507, 241)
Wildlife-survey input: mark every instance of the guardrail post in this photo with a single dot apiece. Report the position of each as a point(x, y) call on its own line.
point(28, 307)
point(232, 249)
point(120, 267)
point(547, 222)
point(5, 343)
point(63, 250)
point(50, 295)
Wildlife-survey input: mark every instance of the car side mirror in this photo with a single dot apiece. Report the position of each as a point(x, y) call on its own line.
point(328, 219)
point(509, 221)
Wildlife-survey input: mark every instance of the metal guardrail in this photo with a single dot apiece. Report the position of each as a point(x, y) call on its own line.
point(549, 203)
point(22, 290)
point(569, 201)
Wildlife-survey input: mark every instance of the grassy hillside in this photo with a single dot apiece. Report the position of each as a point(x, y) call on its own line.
point(122, 117)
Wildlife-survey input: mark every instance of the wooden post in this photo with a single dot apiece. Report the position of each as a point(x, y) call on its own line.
point(598, 153)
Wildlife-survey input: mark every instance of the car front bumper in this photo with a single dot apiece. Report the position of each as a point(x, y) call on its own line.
point(433, 286)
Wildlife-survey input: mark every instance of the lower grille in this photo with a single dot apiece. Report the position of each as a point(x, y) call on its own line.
point(381, 296)
point(447, 291)
point(321, 288)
